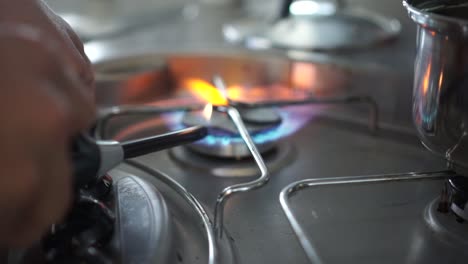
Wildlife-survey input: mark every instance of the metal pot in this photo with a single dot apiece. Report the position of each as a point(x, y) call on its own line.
point(440, 98)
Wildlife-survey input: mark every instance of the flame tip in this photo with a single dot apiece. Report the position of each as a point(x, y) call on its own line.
point(206, 91)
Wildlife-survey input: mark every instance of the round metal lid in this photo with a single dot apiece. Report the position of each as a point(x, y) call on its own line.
point(346, 29)
point(349, 29)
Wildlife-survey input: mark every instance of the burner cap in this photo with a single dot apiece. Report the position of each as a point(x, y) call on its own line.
point(224, 140)
point(256, 121)
point(260, 116)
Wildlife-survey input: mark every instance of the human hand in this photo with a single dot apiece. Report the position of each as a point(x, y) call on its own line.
point(44, 103)
point(37, 14)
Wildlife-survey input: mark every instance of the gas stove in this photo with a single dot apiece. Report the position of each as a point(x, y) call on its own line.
point(279, 178)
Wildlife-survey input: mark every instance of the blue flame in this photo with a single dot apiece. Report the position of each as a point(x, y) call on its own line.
point(292, 120)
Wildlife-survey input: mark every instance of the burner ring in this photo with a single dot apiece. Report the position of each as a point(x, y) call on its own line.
point(232, 150)
point(445, 225)
point(224, 140)
point(277, 158)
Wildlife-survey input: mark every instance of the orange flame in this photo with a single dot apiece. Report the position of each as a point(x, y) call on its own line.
point(206, 92)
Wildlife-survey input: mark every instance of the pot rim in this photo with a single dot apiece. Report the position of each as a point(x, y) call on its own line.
point(435, 21)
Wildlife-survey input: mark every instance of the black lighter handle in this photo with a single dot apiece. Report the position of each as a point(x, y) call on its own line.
point(87, 159)
point(139, 147)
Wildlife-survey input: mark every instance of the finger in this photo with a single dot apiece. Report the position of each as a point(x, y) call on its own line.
point(80, 105)
point(56, 185)
point(46, 152)
point(81, 65)
point(38, 157)
point(66, 33)
point(86, 70)
point(55, 196)
point(45, 114)
point(75, 52)
point(86, 73)
point(52, 28)
point(78, 102)
point(78, 44)
point(16, 214)
point(60, 84)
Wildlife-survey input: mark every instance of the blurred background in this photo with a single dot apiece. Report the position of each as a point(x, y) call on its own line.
point(111, 28)
point(96, 19)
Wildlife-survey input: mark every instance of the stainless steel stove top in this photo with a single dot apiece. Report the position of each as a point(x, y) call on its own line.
point(393, 222)
point(380, 223)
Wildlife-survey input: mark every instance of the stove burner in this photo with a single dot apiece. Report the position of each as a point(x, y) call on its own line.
point(275, 159)
point(224, 139)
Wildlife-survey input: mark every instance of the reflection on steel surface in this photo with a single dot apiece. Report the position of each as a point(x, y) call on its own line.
point(193, 202)
point(295, 187)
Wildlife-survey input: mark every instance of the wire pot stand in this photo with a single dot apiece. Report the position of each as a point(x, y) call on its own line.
point(296, 187)
point(214, 229)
